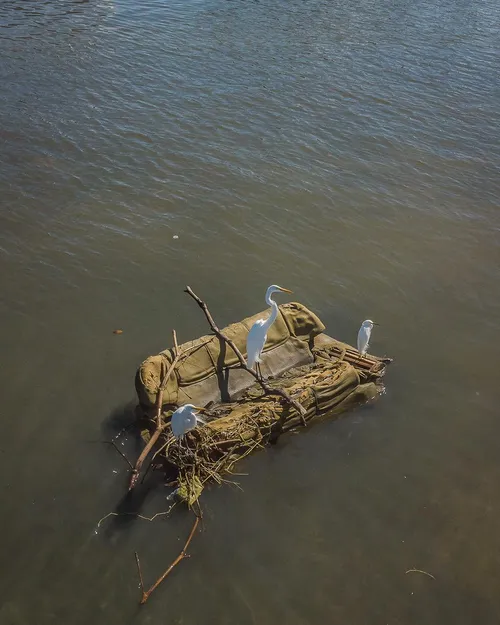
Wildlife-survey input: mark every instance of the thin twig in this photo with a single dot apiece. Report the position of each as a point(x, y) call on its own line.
point(134, 477)
point(119, 451)
point(266, 388)
point(200, 512)
point(150, 466)
point(141, 581)
point(123, 430)
point(146, 593)
point(138, 516)
point(419, 571)
point(164, 447)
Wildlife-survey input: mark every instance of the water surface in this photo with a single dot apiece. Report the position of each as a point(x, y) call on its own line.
point(349, 151)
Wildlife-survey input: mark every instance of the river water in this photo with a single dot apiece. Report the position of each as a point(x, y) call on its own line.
point(349, 151)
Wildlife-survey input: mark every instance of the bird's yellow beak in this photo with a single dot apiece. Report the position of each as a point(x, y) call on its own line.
point(199, 409)
point(284, 290)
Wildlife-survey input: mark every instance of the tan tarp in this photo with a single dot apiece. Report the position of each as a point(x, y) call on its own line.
point(210, 372)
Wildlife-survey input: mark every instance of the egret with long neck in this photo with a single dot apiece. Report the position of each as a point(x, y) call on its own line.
point(184, 419)
point(364, 336)
point(258, 332)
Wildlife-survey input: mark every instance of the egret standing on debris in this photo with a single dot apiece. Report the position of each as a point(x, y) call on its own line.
point(184, 419)
point(364, 335)
point(257, 336)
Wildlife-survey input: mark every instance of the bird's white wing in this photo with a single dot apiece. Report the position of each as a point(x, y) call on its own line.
point(178, 424)
point(363, 339)
point(190, 422)
point(256, 340)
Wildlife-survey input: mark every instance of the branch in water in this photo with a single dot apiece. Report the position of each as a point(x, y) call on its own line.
point(134, 477)
point(146, 593)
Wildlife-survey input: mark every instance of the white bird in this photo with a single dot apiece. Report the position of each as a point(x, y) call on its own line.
point(364, 335)
point(184, 419)
point(257, 335)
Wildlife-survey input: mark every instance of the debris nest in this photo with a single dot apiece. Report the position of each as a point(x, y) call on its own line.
point(236, 429)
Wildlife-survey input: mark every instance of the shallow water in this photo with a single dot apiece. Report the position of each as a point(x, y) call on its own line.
point(349, 151)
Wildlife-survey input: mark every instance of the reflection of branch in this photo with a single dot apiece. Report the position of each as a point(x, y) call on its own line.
point(134, 476)
point(266, 388)
point(180, 557)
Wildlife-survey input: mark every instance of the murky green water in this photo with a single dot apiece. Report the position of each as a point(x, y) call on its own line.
point(347, 150)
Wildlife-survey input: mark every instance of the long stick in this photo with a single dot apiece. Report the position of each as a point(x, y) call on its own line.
point(134, 476)
point(146, 593)
point(141, 581)
point(266, 388)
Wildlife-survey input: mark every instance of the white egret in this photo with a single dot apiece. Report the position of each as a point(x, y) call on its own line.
point(184, 419)
point(364, 335)
point(257, 336)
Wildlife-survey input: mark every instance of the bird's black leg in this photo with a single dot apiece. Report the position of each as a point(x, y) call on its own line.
point(257, 368)
point(259, 371)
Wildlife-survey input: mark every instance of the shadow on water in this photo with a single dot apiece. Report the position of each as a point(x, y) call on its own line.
point(122, 420)
point(120, 428)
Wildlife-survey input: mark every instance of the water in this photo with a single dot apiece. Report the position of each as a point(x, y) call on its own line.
point(347, 150)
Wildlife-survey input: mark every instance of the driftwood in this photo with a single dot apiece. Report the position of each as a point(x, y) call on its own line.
point(147, 593)
point(243, 364)
point(160, 425)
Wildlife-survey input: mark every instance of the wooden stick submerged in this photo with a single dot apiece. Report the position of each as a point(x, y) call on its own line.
point(265, 387)
point(134, 476)
point(146, 593)
point(113, 444)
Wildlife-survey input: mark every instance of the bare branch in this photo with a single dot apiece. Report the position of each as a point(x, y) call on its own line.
point(119, 451)
point(146, 593)
point(266, 388)
point(141, 581)
point(134, 477)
